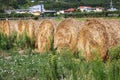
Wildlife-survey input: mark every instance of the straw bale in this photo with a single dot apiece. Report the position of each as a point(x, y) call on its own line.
point(13, 26)
point(1, 25)
point(36, 31)
point(65, 36)
point(30, 30)
point(113, 31)
point(6, 27)
point(21, 27)
point(36, 26)
point(45, 35)
point(92, 38)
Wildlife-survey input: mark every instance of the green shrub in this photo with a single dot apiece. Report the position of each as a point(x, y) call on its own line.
point(36, 18)
point(93, 14)
point(52, 65)
point(15, 15)
point(114, 53)
point(7, 42)
point(12, 41)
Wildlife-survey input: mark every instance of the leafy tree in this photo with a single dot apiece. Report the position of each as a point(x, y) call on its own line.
point(55, 4)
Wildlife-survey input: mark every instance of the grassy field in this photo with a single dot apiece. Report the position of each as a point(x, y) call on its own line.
point(19, 61)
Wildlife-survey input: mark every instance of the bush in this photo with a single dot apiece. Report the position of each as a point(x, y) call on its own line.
point(114, 53)
point(36, 18)
point(52, 65)
point(12, 41)
point(49, 66)
point(7, 42)
point(15, 15)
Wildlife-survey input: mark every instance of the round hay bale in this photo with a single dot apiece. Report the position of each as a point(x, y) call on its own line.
point(30, 30)
point(66, 35)
point(13, 26)
point(45, 35)
point(21, 27)
point(113, 31)
point(36, 27)
point(1, 26)
point(92, 39)
point(6, 27)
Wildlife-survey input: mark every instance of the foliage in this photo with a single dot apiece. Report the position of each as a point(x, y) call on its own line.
point(6, 42)
point(14, 41)
point(76, 14)
point(52, 65)
point(15, 15)
point(55, 4)
point(56, 67)
point(93, 14)
point(36, 18)
point(114, 52)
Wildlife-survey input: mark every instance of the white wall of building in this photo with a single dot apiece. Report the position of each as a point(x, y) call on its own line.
point(37, 8)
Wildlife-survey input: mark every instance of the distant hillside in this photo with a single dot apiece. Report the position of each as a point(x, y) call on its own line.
point(55, 4)
point(62, 4)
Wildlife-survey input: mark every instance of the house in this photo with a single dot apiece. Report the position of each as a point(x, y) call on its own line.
point(20, 11)
point(37, 8)
point(61, 12)
point(85, 8)
point(49, 13)
point(112, 9)
point(36, 13)
point(98, 9)
point(70, 10)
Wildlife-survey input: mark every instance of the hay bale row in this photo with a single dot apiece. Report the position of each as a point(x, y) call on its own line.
point(89, 36)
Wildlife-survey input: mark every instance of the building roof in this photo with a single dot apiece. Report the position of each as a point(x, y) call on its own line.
point(70, 10)
point(85, 7)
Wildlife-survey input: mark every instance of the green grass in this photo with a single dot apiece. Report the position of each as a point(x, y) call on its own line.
point(51, 65)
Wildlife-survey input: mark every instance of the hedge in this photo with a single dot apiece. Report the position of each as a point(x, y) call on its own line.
point(4, 15)
point(93, 14)
point(74, 14)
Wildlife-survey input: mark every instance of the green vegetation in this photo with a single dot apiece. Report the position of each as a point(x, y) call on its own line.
point(94, 14)
point(18, 61)
point(74, 15)
point(15, 15)
point(15, 42)
point(55, 4)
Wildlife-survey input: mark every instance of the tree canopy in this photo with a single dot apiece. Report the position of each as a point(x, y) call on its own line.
point(55, 4)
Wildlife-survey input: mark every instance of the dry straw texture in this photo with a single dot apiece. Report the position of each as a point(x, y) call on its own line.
point(36, 27)
point(66, 35)
point(13, 26)
point(113, 31)
point(5, 27)
point(92, 38)
point(1, 26)
point(93, 35)
point(30, 29)
point(45, 35)
point(21, 27)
